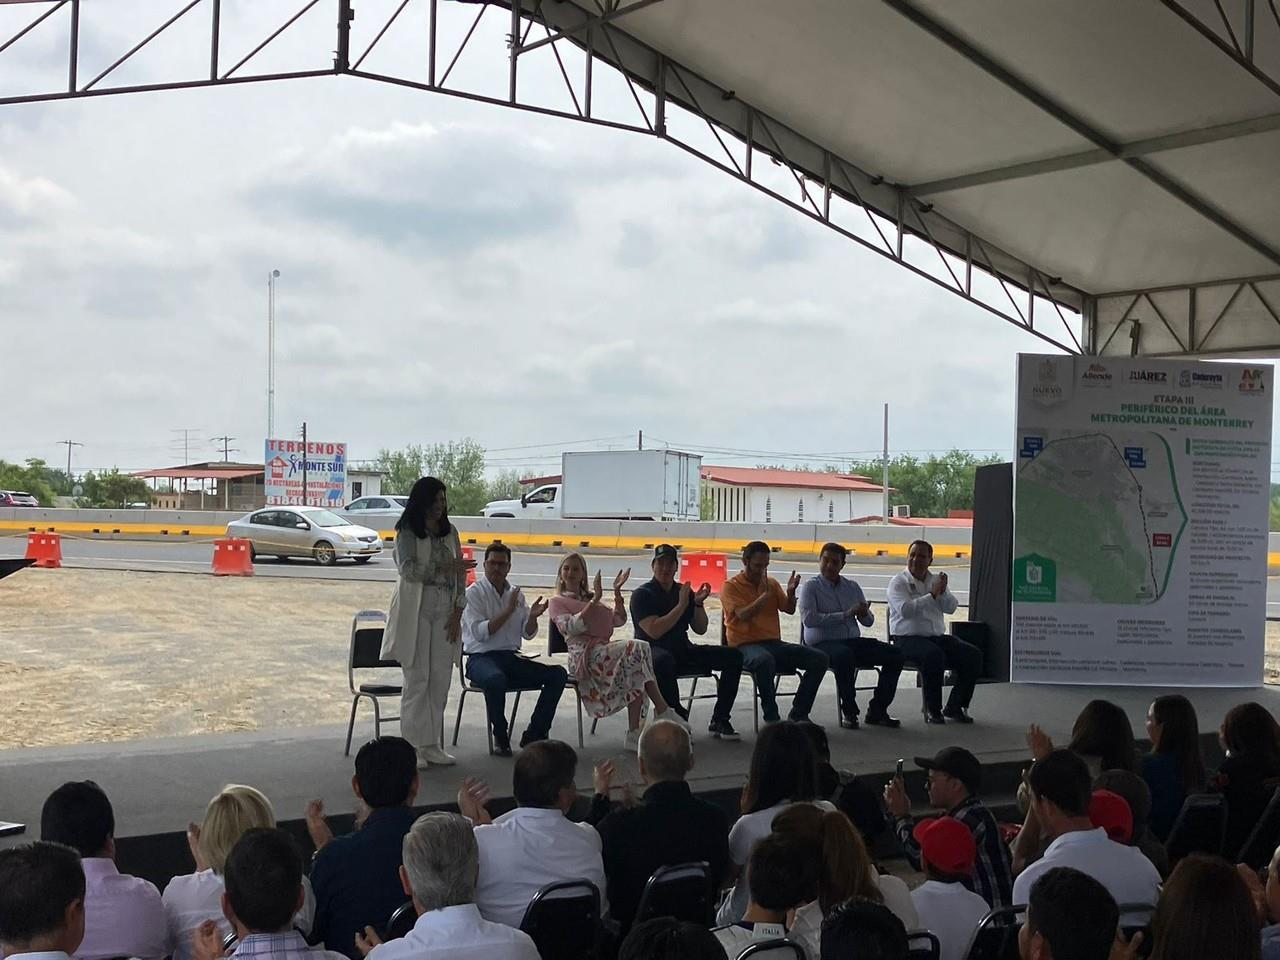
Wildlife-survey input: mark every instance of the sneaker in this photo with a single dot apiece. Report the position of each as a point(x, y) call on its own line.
point(434, 756)
point(723, 730)
point(632, 740)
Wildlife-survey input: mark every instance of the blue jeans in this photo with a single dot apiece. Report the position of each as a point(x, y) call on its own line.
point(765, 660)
point(504, 670)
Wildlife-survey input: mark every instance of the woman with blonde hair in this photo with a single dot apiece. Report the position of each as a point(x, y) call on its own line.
point(193, 898)
point(611, 674)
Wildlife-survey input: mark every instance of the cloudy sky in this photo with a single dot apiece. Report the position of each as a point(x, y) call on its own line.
point(448, 268)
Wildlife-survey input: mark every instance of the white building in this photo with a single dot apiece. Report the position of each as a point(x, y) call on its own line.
point(364, 482)
point(750, 495)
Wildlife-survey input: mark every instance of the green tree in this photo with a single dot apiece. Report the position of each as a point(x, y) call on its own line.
point(459, 463)
point(505, 485)
point(930, 487)
point(112, 489)
point(33, 477)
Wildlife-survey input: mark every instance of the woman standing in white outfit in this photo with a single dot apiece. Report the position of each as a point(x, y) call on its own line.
point(425, 621)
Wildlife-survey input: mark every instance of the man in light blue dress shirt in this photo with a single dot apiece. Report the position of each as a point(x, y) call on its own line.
point(831, 609)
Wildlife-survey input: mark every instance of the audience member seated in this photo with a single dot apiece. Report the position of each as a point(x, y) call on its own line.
point(193, 898)
point(783, 771)
point(264, 893)
point(356, 877)
point(833, 610)
point(1060, 796)
point(664, 612)
point(670, 826)
point(123, 915)
point(840, 868)
point(751, 602)
point(777, 876)
point(954, 776)
point(42, 890)
point(1266, 900)
point(1250, 773)
point(441, 863)
point(1174, 768)
point(1205, 911)
point(1070, 916)
point(943, 903)
point(495, 623)
point(848, 794)
point(535, 844)
point(664, 938)
point(1111, 812)
point(861, 928)
point(1137, 795)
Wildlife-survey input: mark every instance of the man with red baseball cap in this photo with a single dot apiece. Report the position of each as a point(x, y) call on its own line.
point(953, 912)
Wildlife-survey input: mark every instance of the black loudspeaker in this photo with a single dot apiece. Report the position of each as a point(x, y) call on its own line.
point(991, 568)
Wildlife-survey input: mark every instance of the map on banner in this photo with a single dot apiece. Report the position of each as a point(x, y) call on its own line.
point(1141, 509)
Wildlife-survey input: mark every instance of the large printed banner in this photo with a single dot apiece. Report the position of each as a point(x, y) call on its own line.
point(1141, 494)
point(326, 473)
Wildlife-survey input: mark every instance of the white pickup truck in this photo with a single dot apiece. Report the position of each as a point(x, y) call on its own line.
point(540, 503)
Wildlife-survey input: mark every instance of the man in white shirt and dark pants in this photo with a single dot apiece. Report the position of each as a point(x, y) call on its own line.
point(918, 603)
point(1060, 794)
point(535, 844)
point(494, 624)
point(441, 862)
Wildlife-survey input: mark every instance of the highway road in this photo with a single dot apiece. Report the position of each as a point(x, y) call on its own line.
point(533, 571)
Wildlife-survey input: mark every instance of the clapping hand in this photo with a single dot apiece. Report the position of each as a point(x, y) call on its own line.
point(597, 591)
point(317, 827)
point(602, 777)
point(793, 582)
point(513, 599)
point(686, 594)
point(206, 942)
point(472, 796)
point(366, 941)
point(1039, 742)
point(193, 842)
point(620, 579)
point(704, 591)
point(939, 585)
point(539, 608)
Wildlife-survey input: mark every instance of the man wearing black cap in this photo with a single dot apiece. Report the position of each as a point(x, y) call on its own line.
point(663, 611)
point(954, 776)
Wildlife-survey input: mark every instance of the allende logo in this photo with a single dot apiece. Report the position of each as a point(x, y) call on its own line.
point(1148, 376)
point(1096, 375)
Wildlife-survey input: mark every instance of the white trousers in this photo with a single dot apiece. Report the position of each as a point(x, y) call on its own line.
point(426, 682)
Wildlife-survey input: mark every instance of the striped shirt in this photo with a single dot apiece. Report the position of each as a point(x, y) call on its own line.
point(993, 871)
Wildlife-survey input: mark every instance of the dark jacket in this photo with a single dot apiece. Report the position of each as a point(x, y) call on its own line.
point(1248, 785)
point(669, 827)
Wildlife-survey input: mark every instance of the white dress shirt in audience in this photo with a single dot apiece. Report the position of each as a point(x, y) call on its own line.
point(736, 937)
point(1125, 871)
point(951, 912)
point(806, 928)
point(524, 850)
point(458, 933)
point(39, 955)
point(193, 898)
point(746, 831)
point(484, 603)
point(123, 915)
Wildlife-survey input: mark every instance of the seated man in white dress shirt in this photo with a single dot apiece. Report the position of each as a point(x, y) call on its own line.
point(124, 915)
point(535, 844)
point(41, 901)
point(918, 601)
point(494, 624)
point(441, 862)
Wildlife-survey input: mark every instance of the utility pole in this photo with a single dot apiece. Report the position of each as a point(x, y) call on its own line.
point(640, 440)
point(69, 444)
point(885, 475)
point(186, 441)
point(304, 463)
point(271, 353)
point(226, 450)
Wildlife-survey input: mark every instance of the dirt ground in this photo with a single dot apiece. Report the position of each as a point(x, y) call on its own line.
point(95, 656)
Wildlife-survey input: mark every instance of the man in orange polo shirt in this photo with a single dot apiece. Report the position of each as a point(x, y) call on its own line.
point(751, 602)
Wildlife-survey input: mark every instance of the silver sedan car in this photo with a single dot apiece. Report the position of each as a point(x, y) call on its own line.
point(314, 532)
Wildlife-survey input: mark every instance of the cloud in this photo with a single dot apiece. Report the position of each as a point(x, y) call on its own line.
point(25, 200)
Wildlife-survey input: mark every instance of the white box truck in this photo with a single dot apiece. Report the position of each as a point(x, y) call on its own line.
point(614, 485)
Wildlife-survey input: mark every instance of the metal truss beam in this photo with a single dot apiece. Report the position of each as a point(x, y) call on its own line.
point(1248, 31)
point(1063, 115)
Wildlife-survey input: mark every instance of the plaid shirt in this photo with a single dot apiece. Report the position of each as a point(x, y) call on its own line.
point(993, 872)
point(281, 946)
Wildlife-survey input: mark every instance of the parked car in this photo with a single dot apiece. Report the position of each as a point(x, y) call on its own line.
point(314, 532)
point(17, 498)
point(367, 504)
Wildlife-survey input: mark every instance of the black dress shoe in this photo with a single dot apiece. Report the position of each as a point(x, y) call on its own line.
point(959, 715)
point(881, 718)
point(933, 716)
point(848, 722)
point(529, 737)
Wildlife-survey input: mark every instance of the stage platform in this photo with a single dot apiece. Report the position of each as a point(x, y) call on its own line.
point(157, 786)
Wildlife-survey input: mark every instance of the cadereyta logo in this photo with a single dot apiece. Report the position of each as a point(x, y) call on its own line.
point(1253, 380)
point(1096, 375)
point(1148, 376)
point(1206, 381)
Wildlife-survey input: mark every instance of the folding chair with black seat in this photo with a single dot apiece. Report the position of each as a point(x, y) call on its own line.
point(1263, 838)
point(764, 948)
point(1201, 827)
point(996, 937)
point(466, 686)
point(401, 922)
point(684, 891)
point(1129, 912)
point(563, 920)
point(367, 628)
point(556, 644)
point(923, 945)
